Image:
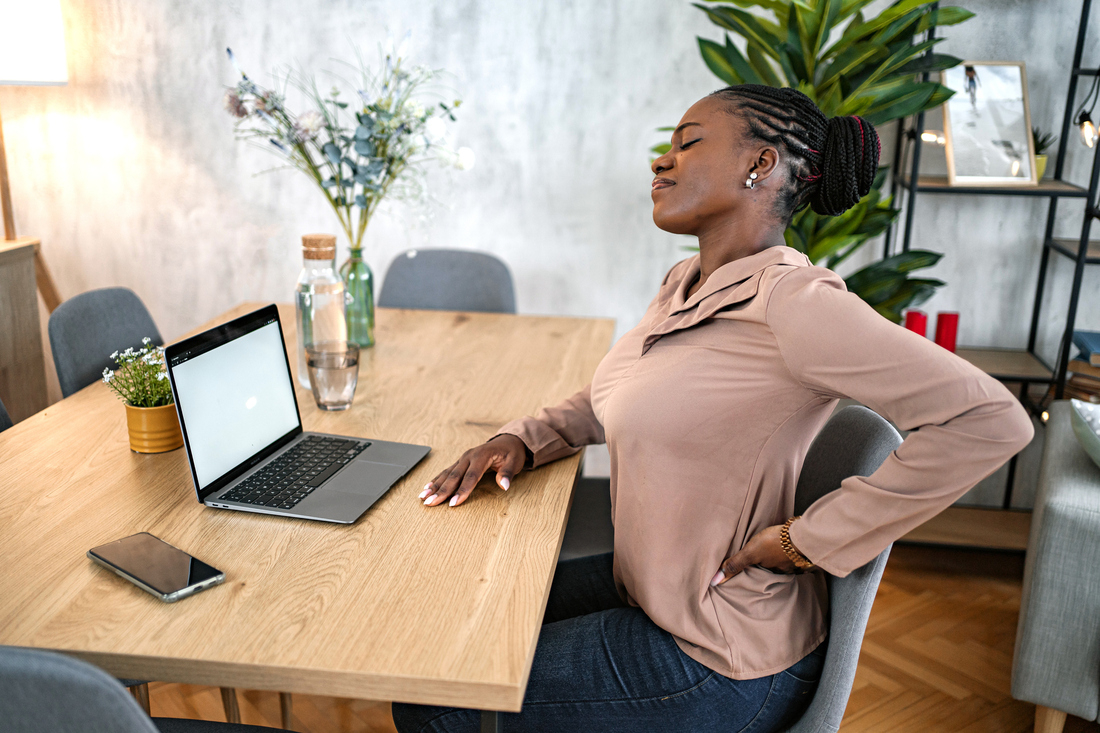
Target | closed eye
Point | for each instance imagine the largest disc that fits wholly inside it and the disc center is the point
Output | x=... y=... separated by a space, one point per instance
x=689 y=143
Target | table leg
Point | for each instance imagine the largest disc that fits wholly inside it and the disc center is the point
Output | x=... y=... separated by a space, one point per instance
x=229 y=703
x=491 y=722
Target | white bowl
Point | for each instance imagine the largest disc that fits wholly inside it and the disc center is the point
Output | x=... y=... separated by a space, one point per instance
x=1086 y=426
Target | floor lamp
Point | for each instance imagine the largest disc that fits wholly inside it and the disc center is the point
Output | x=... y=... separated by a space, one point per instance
x=32 y=52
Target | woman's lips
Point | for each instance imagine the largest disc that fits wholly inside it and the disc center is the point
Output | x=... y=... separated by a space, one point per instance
x=659 y=183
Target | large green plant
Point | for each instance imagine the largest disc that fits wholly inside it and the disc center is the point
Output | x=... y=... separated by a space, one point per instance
x=872 y=69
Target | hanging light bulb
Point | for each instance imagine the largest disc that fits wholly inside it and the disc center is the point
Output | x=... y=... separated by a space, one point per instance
x=1089 y=135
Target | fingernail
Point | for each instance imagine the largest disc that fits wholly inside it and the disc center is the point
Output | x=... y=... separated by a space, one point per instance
x=505 y=483
x=718 y=578
x=429 y=499
x=454 y=499
x=427 y=490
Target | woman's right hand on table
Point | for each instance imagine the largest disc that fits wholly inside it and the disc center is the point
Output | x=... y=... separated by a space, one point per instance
x=506 y=454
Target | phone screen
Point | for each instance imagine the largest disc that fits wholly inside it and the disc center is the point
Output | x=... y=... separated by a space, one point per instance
x=155 y=563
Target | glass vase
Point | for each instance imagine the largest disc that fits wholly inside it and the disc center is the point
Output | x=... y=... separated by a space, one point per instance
x=359 y=284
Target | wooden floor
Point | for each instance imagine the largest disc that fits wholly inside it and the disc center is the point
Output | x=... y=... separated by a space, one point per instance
x=937 y=657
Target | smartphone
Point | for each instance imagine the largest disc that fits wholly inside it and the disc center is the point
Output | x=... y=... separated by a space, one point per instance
x=155 y=566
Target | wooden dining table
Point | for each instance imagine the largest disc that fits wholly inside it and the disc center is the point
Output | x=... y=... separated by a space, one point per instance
x=426 y=605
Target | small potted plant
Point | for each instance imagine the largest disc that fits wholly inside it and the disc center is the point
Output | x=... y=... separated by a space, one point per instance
x=140 y=379
x=1042 y=142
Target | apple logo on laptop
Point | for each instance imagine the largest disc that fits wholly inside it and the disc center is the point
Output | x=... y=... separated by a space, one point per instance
x=250 y=402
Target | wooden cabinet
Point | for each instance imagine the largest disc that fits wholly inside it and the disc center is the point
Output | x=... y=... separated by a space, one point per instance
x=22 y=364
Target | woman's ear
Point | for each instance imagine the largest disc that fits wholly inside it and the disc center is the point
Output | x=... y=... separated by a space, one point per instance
x=765 y=163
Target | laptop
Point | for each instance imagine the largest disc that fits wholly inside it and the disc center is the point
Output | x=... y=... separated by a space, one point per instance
x=243 y=433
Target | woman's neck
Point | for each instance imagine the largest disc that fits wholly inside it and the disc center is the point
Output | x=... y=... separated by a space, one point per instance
x=722 y=245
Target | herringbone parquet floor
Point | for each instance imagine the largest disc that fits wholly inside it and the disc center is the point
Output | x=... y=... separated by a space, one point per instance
x=937 y=657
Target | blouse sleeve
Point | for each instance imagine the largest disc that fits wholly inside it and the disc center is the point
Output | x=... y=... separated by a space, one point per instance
x=559 y=431
x=964 y=423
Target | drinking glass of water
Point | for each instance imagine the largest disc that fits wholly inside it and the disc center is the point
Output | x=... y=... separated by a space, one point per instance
x=333 y=373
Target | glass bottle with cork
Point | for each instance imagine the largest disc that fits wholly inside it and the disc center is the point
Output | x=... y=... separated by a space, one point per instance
x=320 y=298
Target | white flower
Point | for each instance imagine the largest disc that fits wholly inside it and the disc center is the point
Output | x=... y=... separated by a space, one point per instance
x=146 y=340
x=107 y=375
x=161 y=376
x=311 y=123
x=464 y=161
x=113 y=356
x=435 y=129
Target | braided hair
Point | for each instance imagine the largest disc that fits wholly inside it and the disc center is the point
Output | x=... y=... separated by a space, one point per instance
x=831 y=162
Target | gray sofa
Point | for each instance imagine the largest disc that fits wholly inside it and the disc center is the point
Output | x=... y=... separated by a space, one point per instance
x=1057 y=659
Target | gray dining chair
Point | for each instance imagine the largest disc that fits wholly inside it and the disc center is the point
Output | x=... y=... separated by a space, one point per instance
x=5 y=418
x=448 y=279
x=86 y=329
x=44 y=692
x=854 y=442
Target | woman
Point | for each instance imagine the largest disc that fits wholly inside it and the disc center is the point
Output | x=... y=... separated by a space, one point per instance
x=705 y=619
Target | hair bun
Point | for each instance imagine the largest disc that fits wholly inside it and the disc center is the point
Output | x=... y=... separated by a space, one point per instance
x=849 y=162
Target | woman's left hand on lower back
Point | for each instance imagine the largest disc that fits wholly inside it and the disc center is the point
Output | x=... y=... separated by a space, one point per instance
x=764 y=549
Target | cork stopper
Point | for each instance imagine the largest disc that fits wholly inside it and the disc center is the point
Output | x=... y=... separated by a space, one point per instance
x=319 y=246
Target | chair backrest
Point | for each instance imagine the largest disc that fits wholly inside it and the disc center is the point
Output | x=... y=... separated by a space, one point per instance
x=448 y=279
x=5 y=418
x=44 y=691
x=854 y=442
x=85 y=330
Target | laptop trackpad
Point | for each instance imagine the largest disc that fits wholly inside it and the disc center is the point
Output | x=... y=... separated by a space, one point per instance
x=365 y=478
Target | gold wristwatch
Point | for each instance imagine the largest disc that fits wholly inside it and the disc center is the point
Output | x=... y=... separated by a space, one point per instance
x=801 y=562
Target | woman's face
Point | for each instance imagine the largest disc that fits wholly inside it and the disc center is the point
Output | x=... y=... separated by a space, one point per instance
x=701 y=181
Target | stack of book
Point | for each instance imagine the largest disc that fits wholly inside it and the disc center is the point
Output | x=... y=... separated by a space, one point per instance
x=1084 y=380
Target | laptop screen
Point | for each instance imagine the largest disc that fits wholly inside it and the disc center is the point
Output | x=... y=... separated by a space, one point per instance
x=234 y=394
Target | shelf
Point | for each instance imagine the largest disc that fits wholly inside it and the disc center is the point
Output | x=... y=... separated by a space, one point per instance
x=1046 y=187
x=1070 y=248
x=1010 y=365
x=991 y=529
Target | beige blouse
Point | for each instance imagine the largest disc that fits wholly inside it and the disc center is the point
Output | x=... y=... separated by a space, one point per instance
x=708 y=407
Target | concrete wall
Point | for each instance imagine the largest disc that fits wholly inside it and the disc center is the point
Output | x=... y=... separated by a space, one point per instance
x=131 y=174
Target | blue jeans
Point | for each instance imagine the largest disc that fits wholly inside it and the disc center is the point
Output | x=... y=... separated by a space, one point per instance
x=601 y=665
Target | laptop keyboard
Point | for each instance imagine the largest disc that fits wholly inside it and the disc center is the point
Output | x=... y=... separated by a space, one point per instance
x=294 y=475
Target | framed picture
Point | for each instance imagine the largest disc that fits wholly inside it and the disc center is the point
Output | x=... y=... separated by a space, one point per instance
x=987 y=125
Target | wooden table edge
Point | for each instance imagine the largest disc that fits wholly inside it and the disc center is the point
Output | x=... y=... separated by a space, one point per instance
x=307 y=681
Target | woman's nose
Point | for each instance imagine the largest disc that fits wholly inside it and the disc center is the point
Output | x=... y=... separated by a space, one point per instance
x=661 y=164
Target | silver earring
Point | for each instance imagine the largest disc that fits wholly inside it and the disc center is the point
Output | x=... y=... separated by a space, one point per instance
x=751 y=182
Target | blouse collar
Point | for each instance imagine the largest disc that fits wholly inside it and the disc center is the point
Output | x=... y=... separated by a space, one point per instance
x=728 y=274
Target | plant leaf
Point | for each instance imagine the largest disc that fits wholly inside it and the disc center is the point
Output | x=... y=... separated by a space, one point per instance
x=740 y=64
x=714 y=56
x=755 y=30
x=763 y=69
x=943 y=17
x=332 y=152
x=930 y=62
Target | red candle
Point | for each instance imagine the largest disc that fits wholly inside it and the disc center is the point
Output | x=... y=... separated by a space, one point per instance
x=917 y=322
x=947 y=328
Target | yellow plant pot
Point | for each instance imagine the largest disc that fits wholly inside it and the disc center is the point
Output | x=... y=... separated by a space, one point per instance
x=153 y=429
x=1040 y=166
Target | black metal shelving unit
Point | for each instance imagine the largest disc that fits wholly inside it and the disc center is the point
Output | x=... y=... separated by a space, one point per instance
x=1023 y=366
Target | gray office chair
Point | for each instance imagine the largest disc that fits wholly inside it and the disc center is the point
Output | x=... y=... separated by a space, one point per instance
x=448 y=279
x=854 y=442
x=44 y=692
x=5 y=418
x=85 y=330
